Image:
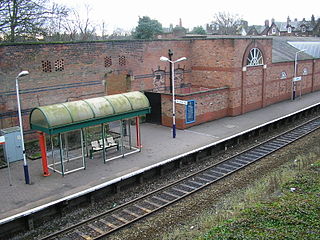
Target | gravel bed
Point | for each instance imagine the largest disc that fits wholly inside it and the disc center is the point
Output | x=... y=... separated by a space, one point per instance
x=209 y=200
x=53 y=224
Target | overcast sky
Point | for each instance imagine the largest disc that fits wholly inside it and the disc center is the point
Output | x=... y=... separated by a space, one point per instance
x=125 y=13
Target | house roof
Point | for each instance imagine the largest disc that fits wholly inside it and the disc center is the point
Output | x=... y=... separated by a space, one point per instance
x=295 y=25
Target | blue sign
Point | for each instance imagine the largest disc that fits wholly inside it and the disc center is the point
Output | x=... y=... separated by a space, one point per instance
x=191 y=111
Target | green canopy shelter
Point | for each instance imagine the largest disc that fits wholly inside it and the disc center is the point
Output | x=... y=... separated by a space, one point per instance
x=78 y=115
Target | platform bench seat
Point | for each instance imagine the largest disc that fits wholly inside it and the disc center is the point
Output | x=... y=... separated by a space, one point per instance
x=98 y=145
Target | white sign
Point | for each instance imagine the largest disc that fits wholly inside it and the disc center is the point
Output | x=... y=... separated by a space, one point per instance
x=296 y=79
x=183 y=102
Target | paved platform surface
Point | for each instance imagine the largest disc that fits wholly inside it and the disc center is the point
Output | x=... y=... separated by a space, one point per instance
x=158 y=146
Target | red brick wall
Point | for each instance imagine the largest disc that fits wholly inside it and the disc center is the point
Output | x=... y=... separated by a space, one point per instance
x=99 y=68
x=88 y=70
x=210 y=105
x=219 y=62
x=316 y=75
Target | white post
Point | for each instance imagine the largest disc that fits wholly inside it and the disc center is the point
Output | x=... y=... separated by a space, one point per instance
x=165 y=59
x=25 y=164
x=295 y=75
x=173 y=105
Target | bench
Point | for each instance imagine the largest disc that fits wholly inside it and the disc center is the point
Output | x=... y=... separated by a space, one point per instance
x=98 y=145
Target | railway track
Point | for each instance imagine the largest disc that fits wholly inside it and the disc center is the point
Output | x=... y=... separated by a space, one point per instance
x=112 y=220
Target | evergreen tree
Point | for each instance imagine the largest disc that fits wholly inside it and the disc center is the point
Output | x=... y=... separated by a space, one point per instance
x=147 y=28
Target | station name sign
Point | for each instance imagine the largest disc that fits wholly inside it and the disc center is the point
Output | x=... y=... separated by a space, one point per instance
x=296 y=79
x=183 y=102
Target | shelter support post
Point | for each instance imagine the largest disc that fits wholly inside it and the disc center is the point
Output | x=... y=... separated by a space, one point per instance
x=82 y=148
x=129 y=131
x=122 y=133
x=138 y=132
x=103 y=143
x=86 y=141
x=61 y=154
x=42 y=143
x=52 y=154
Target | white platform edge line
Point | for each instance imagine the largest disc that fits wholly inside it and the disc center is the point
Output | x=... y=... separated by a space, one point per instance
x=119 y=179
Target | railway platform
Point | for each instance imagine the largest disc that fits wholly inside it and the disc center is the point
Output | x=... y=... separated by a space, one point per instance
x=159 y=148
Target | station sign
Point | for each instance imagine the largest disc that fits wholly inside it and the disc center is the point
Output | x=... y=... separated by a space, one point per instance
x=183 y=102
x=296 y=79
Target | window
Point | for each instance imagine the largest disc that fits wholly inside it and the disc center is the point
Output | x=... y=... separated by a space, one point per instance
x=289 y=29
x=283 y=75
x=305 y=71
x=303 y=29
x=273 y=31
x=255 y=57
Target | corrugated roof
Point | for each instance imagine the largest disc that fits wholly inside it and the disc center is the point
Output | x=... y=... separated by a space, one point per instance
x=284 y=48
x=312 y=48
x=62 y=117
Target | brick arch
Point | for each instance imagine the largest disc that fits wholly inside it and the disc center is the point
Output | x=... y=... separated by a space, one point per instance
x=253 y=81
x=253 y=44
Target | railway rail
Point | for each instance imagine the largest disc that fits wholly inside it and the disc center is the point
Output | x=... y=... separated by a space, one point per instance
x=100 y=226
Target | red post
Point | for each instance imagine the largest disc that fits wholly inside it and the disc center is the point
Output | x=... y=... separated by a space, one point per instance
x=138 y=132
x=42 y=143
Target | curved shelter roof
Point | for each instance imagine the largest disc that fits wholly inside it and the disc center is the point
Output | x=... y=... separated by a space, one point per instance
x=69 y=116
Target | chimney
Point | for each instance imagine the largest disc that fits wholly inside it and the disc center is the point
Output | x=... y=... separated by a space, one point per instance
x=266 y=23
x=272 y=20
x=288 y=20
x=180 y=22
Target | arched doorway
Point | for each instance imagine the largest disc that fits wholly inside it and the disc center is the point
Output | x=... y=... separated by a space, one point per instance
x=252 y=79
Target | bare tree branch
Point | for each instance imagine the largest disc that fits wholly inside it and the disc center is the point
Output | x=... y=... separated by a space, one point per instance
x=226 y=23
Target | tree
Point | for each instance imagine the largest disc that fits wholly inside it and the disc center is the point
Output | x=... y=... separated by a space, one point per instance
x=56 y=22
x=22 y=18
x=147 y=28
x=226 y=23
x=72 y=27
x=30 y=19
x=198 y=30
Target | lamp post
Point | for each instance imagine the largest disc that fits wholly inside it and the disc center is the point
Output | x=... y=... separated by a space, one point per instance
x=25 y=165
x=165 y=59
x=295 y=75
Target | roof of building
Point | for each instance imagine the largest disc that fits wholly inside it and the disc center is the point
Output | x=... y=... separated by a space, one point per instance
x=311 y=48
x=284 y=49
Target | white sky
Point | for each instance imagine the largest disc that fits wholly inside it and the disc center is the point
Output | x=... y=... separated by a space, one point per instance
x=125 y=14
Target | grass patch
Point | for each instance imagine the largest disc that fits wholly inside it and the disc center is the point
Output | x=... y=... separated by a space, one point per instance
x=283 y=205
x=294 y=215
